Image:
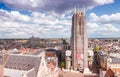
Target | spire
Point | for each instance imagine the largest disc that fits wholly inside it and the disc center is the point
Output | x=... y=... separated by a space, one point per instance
x=83 y=9
x=75 y=10
x=78 y=5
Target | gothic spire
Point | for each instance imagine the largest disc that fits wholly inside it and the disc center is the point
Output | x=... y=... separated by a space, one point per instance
x=83 y=9
x=75 y=10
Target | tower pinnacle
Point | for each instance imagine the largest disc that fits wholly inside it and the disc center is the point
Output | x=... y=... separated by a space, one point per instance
x=83 y=9
x=75 y=10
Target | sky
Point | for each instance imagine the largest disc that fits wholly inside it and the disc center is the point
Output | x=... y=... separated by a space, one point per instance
x=52 y=18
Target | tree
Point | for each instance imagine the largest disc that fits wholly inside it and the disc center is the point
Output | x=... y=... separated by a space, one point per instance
x=62 y=64
x=96 y=49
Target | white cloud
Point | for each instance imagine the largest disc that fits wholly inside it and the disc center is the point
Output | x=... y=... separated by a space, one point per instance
x=92 y=27
x=51 y=24
x=109 y=28
x=93 y=17
x=101 y=2
x=104 y=25
x=15 y=24
x=59 y=6
x=104 y=29
x=105 y=19
x=13 y=15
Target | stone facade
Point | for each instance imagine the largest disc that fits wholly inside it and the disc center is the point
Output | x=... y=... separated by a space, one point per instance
x=79 y=41
x=1 y=71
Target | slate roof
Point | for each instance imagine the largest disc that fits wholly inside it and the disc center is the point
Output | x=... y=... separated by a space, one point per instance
x=115 y=60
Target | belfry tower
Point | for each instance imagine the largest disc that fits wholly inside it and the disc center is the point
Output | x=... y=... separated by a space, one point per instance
x=79 y=41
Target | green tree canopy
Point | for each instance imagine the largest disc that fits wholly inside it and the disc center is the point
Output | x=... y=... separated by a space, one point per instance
x=96 y=49
x=63 y=64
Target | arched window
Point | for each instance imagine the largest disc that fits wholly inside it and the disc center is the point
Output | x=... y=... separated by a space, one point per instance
x=80 y=27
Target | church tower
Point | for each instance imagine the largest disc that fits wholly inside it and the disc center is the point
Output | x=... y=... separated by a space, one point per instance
x=79 y=41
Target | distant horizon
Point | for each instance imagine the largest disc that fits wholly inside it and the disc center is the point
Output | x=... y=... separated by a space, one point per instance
x=64 y=38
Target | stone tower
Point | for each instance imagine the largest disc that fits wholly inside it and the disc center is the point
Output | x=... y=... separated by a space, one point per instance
x=79 y=41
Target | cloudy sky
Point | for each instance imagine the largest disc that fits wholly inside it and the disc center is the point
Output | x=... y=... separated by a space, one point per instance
x=52 y=18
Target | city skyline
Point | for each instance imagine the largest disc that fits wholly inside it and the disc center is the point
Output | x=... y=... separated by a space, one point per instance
x=52 y=19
